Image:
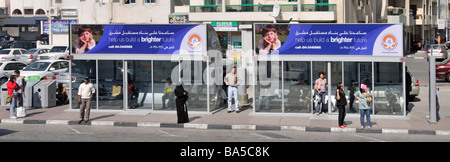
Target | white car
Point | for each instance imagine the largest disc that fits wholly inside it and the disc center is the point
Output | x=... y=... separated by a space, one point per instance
x=7 y=69
x=57 y=52
x=32 y=55
x=11 y=54
x=45 y=68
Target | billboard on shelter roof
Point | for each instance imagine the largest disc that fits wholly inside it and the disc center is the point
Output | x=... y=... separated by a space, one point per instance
x=138 y=39
x=329 y=39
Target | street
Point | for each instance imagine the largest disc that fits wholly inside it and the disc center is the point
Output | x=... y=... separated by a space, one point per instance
x=75 y=133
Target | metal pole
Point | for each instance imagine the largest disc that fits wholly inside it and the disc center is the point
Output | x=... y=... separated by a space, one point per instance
x=432 y=90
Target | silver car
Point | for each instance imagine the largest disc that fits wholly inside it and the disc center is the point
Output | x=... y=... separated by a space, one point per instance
x=438 y=51
x=32 y=55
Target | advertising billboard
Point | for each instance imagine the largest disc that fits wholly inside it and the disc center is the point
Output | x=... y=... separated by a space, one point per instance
x=329 y=39
x=138 y=39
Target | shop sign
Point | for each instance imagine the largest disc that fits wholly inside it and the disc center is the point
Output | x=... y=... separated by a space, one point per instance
x=329 y=39
x=225 y=25
x=58 y=26
x=138 y=39
x=178 y=19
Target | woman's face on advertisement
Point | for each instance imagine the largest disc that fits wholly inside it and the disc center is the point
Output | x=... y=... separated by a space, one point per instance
x=271 y=36
x=86 y=36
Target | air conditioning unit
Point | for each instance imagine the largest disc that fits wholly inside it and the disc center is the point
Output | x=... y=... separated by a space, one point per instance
x=54 y=11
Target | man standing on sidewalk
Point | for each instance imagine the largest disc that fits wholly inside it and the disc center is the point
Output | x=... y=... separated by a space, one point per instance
x=232 y=80
x=85 y=93
x=19 y=82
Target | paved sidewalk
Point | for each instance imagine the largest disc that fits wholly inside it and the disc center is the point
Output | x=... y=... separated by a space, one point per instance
x=415 y=123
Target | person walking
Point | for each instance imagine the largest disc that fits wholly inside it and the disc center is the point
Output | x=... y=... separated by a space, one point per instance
x=232 y=80
x=341 y=102
x=85 y=93
x=181 y=98
x=12 y=88
x=364 y=97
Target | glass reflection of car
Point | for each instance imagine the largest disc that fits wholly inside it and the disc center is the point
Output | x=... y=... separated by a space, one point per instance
x=415 y=88
x=32 y=55
x=443 y=70
x=48 y=68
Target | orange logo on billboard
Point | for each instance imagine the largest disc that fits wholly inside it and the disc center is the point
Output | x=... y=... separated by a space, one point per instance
x=389 y=42
x=195 y=41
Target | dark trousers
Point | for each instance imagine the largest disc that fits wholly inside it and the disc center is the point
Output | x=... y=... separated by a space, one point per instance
x=341 y=116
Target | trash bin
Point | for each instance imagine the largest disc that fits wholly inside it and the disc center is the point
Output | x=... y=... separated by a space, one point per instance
x=44 y=94
x=28 y=93
x=3 y=94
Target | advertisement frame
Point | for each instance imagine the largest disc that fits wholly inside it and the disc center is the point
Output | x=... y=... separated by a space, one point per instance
x=329 y=57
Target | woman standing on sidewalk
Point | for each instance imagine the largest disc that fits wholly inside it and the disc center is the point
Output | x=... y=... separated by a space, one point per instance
x=13 y=92
x=341 y=102
x=364 y=109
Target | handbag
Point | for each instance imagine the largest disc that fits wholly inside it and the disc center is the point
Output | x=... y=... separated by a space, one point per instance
x=21 y=112
x=369 y=99
x=8 y=99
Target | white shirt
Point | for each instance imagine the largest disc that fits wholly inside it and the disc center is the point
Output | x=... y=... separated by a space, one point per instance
x=19 y=82
x=85 y=90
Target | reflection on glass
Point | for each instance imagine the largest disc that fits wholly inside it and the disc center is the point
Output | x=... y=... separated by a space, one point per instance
x=163 y=85
x=139 y=84
x=195 y=85
x=297 y=87
x=356 y=73
x=336 y=77
x=388 y=88
x=268 y=94
x=320 y=104
x=80 y=70
x=110 y=84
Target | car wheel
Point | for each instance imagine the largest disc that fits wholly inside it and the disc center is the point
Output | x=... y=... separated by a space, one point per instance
x=448 y=77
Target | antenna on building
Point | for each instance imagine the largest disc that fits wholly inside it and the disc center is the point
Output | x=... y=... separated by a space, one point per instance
x=276 y=12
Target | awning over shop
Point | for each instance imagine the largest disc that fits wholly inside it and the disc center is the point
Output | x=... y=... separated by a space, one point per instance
x=23 y=20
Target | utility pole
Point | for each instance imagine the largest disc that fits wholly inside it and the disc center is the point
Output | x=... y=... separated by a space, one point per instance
x=432 y=90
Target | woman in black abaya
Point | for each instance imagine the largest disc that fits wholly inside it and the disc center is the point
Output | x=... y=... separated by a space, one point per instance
x=181 y=98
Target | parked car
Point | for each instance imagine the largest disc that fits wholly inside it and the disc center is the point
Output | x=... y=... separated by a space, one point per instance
x=443 y=70
x=22 y=44
x=7 y=69
x=57 y=52
x=11 y=54
x=438 y=51
x=45 y=68
x=32 y=55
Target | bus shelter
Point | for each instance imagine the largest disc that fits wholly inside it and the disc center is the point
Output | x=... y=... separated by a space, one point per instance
x=290 y=57
x=136 y=67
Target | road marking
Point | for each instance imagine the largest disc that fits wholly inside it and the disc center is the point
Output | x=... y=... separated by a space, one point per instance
x=76 y=131
x=369 y=138
x=167 y=134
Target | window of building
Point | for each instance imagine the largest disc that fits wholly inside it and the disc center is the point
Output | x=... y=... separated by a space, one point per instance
x=129 y=1
x=29 y=11
x=40 y=12
x=58 y=1
x=17 y=12
x=149 y=1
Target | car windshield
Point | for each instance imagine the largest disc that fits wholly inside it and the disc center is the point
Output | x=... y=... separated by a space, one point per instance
x=58 y=49
x=37 y=66
x=4 y=52
x=31 y=51
x=445 y=61
x=436 y=47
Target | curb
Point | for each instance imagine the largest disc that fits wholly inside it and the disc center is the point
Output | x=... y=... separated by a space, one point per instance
x=228 y=127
